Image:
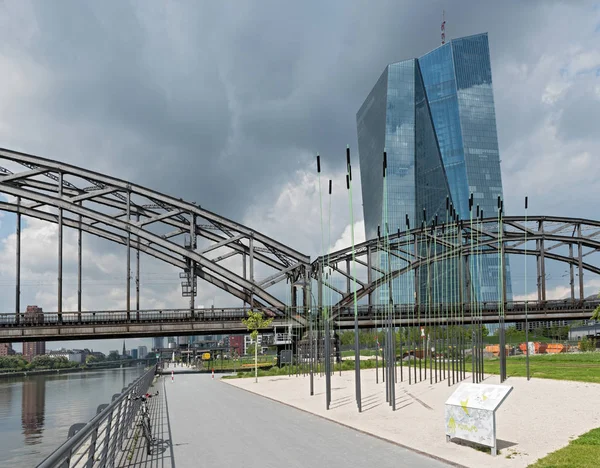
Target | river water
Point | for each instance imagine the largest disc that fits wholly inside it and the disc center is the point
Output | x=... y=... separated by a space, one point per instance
x=37 y=411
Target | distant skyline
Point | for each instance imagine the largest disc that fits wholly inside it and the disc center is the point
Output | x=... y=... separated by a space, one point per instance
x=229 y=106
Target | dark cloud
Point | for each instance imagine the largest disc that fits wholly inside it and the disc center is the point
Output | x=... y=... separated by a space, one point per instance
x=220 y=105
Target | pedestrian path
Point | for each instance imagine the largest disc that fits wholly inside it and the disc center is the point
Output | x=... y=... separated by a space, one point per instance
x=134 y=453
x=218 y=425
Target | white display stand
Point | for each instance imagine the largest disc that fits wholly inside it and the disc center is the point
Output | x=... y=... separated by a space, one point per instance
x=470 y=413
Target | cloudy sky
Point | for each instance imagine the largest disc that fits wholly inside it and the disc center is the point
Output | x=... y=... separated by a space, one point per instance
x=227 y=103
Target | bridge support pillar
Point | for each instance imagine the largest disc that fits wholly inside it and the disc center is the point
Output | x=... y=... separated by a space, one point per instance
x=137 y=273
x=580 y=263
x=79 y=255
x=542 y=263
x=192 y=264
x=128 y=257
x=60 y=248
x=571 y=274
x=18 y=265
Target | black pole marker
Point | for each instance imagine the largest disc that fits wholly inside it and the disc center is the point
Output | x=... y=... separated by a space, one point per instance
x=329 y=186
x=378 y=232
x=347 y=156
x=347 y=182
x=318 y=163
x=525 y=202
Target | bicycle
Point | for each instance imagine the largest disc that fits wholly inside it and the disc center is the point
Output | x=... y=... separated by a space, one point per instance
x=145 y=419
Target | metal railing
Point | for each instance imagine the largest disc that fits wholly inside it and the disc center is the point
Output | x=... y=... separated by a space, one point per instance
x=9 y=320
x=97 y=443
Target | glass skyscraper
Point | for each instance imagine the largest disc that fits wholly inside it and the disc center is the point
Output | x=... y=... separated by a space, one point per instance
x=435 y=118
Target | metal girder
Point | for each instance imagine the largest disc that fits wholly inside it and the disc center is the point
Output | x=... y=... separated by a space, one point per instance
x=220 y=244
x=127 y=226
x=117 y=194
x=154 y=219
x=276 y=277
x=93 y=194
x=22 y=175
x=158 y=254
x=486 y=245
x=103 y=180
x=183 y=226
x=96 y=177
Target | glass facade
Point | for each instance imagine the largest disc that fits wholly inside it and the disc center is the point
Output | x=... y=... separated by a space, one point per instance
x=440 y=137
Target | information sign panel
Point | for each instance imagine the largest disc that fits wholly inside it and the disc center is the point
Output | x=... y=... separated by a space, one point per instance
x=470 y=412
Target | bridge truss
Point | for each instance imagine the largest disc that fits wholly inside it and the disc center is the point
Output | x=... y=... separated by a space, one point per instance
x=200 y=243
x=176 y=232
x=571 y=241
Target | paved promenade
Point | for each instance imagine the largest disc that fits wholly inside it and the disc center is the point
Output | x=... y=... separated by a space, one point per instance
x=538 y=417
x=217 y=425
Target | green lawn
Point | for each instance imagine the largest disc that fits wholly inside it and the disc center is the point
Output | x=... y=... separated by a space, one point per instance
x=582 y=367
x=583 y=452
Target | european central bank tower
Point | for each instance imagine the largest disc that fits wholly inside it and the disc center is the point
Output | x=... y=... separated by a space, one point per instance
x=435 y=118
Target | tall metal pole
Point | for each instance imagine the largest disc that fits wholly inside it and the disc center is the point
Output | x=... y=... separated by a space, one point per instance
x=307 y=305
x=251 y=249
x=18 y=264
x=60 y=248
x=526 y=315
x=356 y=338
x=137 y=272
x=580 y=263
x=193 y=266
x=128 y=257
x=79 y=256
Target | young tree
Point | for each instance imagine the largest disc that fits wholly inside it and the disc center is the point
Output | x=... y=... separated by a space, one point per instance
x=596 y=314
x=255 y=322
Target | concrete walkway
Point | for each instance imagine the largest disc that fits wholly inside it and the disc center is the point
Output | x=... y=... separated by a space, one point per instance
x=538 y=417
x=218 y=425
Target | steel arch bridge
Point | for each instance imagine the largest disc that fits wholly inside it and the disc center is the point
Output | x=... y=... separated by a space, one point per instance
x=172 y=231
x=145 y=221
x=561 y=239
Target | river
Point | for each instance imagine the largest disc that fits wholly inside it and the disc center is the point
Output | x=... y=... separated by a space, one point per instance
x=37 y=411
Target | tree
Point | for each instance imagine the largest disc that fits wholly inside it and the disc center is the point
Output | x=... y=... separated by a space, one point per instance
x=255 y=322
x=596 y=314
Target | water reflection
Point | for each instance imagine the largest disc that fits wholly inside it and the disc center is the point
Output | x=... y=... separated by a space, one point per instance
x=36 y=411
x=33 y=404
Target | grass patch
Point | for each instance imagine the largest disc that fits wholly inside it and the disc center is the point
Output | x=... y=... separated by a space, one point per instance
x=581 y=367
x=582 y=452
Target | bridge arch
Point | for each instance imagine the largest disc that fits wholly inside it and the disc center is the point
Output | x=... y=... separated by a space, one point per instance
x=147 y=221
x=543 y=235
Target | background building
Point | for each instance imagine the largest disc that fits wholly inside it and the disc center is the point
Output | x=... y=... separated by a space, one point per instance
x=6 y=349
x=34 y=315
x=236 y=342
x=142 y=351
x=158 y=342
x=435 y=118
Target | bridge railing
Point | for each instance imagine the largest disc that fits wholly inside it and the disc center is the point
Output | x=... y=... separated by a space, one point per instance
x=489 y=309
x=467 y=309
x=97 y=443
x=116 y=316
